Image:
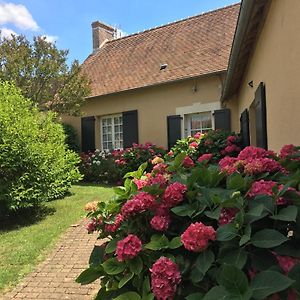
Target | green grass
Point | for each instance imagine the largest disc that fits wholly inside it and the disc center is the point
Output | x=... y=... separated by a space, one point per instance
x=27 y=239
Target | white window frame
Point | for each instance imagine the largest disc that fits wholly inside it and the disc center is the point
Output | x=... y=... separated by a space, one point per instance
x=112 y=132
x=187 y=123
x=199 y=107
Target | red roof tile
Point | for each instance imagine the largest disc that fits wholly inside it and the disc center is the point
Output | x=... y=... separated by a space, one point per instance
x=192 y=47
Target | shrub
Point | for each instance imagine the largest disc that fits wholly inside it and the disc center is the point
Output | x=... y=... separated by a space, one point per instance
x=35 y=165
x=72 y=139
x=226 y=230
x=219 y=143
x=106 y=167
x=99 y=166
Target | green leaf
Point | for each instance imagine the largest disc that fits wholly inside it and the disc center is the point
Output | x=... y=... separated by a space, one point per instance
x=89 y=275
x=175 y=243
x=247 y=235
x=267 y=283
x=203 y=263
x=113 y=267
x=227 y=232
x=97 y=256
x=185 y=210
x=125 y=279
x=235 y=182
x=136 y=265
x=234 y=280
x=128 y=296
x=215 y=215
x=287 y=214
x=195 y=296
x=157 y=242
x=146 y=286
x=216 y=293
x=111 y=246
x=237 y=257
x=268 y=238
x=294 y=274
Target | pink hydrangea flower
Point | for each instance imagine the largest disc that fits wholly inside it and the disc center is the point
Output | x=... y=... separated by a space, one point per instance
x=173 y=194
x=128 y=248
x=170 y=153
x=252 y=152
x=231 y=140
x=92 y=226
x=286 y=263
x=262 y=165
x=197 y=236
x=139 y=203
x=205 y=157
x=193 y=145
x=160 y=168
x=160 y=223
x=227 y=215
x=288 y=150
x=165 y=277
x=114 y=227
x=158 y=178
x=198 y=135
x=262 y=187
x=232 y=148
x=140 y=183
x=228 y=165
x=188 y=162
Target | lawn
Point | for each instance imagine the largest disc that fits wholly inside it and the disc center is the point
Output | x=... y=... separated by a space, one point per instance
x=27 y=240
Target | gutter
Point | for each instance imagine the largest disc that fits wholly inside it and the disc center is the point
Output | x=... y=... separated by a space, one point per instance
x=242 y=25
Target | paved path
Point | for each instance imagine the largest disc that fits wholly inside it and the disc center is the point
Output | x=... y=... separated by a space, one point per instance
x=54 y=278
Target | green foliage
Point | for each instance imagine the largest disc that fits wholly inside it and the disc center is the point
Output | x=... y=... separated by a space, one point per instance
x=35 y=165
x=41 y=72
x=72 y=139
x=232 y=235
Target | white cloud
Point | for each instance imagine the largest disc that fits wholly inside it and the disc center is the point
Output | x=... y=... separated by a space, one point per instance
x=6 y=33
x=51 y=38
x=18 y=15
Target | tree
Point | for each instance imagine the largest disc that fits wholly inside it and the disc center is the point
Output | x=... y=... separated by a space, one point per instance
x=42 y=73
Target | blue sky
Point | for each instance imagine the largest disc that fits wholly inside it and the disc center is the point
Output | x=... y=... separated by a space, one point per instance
x=68 y=22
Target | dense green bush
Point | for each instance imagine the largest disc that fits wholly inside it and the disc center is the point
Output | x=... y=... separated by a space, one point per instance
x=202 y=229
x=72 y=139
x=35 y=165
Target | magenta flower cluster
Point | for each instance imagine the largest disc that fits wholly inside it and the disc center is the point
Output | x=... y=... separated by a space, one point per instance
x=128 y=248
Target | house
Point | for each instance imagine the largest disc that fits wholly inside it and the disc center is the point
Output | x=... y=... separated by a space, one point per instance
x=262 y=87
x=158 y=85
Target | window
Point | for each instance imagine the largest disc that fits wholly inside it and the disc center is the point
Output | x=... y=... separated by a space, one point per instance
x=199 y=122
x=112 y=132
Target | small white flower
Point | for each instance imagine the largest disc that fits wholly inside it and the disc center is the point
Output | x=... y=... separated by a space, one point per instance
x=98 y=162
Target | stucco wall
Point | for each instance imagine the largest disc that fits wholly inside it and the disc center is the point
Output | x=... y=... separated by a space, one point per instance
x=276 y=62
x=154 y=104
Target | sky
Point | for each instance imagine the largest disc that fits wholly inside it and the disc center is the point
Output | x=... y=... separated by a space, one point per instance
x=68 y=22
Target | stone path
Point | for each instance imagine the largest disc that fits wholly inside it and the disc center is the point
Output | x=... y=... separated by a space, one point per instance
x=55 y=277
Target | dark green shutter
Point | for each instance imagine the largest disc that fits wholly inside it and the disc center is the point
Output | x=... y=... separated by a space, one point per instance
x=88 y=134
x=222 y=119
x=261 y=117
x=130 y=128
x=174 y=129
x=245 y=132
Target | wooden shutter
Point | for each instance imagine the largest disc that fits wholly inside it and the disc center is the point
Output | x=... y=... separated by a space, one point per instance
x=261 y=117
x=245 y=131
x=88 y=134
x=222 y=119
x=174 y=129
x=130 y=128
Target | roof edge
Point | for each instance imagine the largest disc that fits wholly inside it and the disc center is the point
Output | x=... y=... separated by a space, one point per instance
x=246 y=10
x=161 y=83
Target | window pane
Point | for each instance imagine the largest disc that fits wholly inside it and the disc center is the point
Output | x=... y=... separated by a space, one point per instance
x=206 y=120
x=196 y=122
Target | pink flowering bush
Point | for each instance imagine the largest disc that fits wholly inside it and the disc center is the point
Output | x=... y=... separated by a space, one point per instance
x=199 y=227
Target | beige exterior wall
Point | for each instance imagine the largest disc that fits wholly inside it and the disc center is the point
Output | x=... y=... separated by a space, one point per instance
x=276 y=62
x=154 y=104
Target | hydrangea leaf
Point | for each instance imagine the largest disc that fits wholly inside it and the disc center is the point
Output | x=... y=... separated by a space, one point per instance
x=128 y=296
x=268 y=238
x=267 y=283
x=136 y=265
x=125 y=279
x=89 y=275
x=227 y=232
x=236 y=257
x=113 y=267
x=287 y=214
x=217 y=292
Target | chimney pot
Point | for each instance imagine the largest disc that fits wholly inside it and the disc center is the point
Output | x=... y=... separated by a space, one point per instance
x=101 y=33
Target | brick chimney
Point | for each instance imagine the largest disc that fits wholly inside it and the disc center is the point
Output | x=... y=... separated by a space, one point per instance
x=101 y=33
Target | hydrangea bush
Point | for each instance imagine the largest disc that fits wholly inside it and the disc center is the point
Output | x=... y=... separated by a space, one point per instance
x=202 y=229
x=110 y=167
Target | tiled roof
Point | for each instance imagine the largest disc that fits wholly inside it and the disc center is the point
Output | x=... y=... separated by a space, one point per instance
x=192 y=47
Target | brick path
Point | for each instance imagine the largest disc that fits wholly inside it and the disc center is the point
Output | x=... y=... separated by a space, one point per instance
x=54 y=278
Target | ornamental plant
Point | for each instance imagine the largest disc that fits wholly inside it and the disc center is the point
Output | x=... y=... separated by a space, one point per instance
x=35 y=164
x=193 y=229
x=212 y=145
